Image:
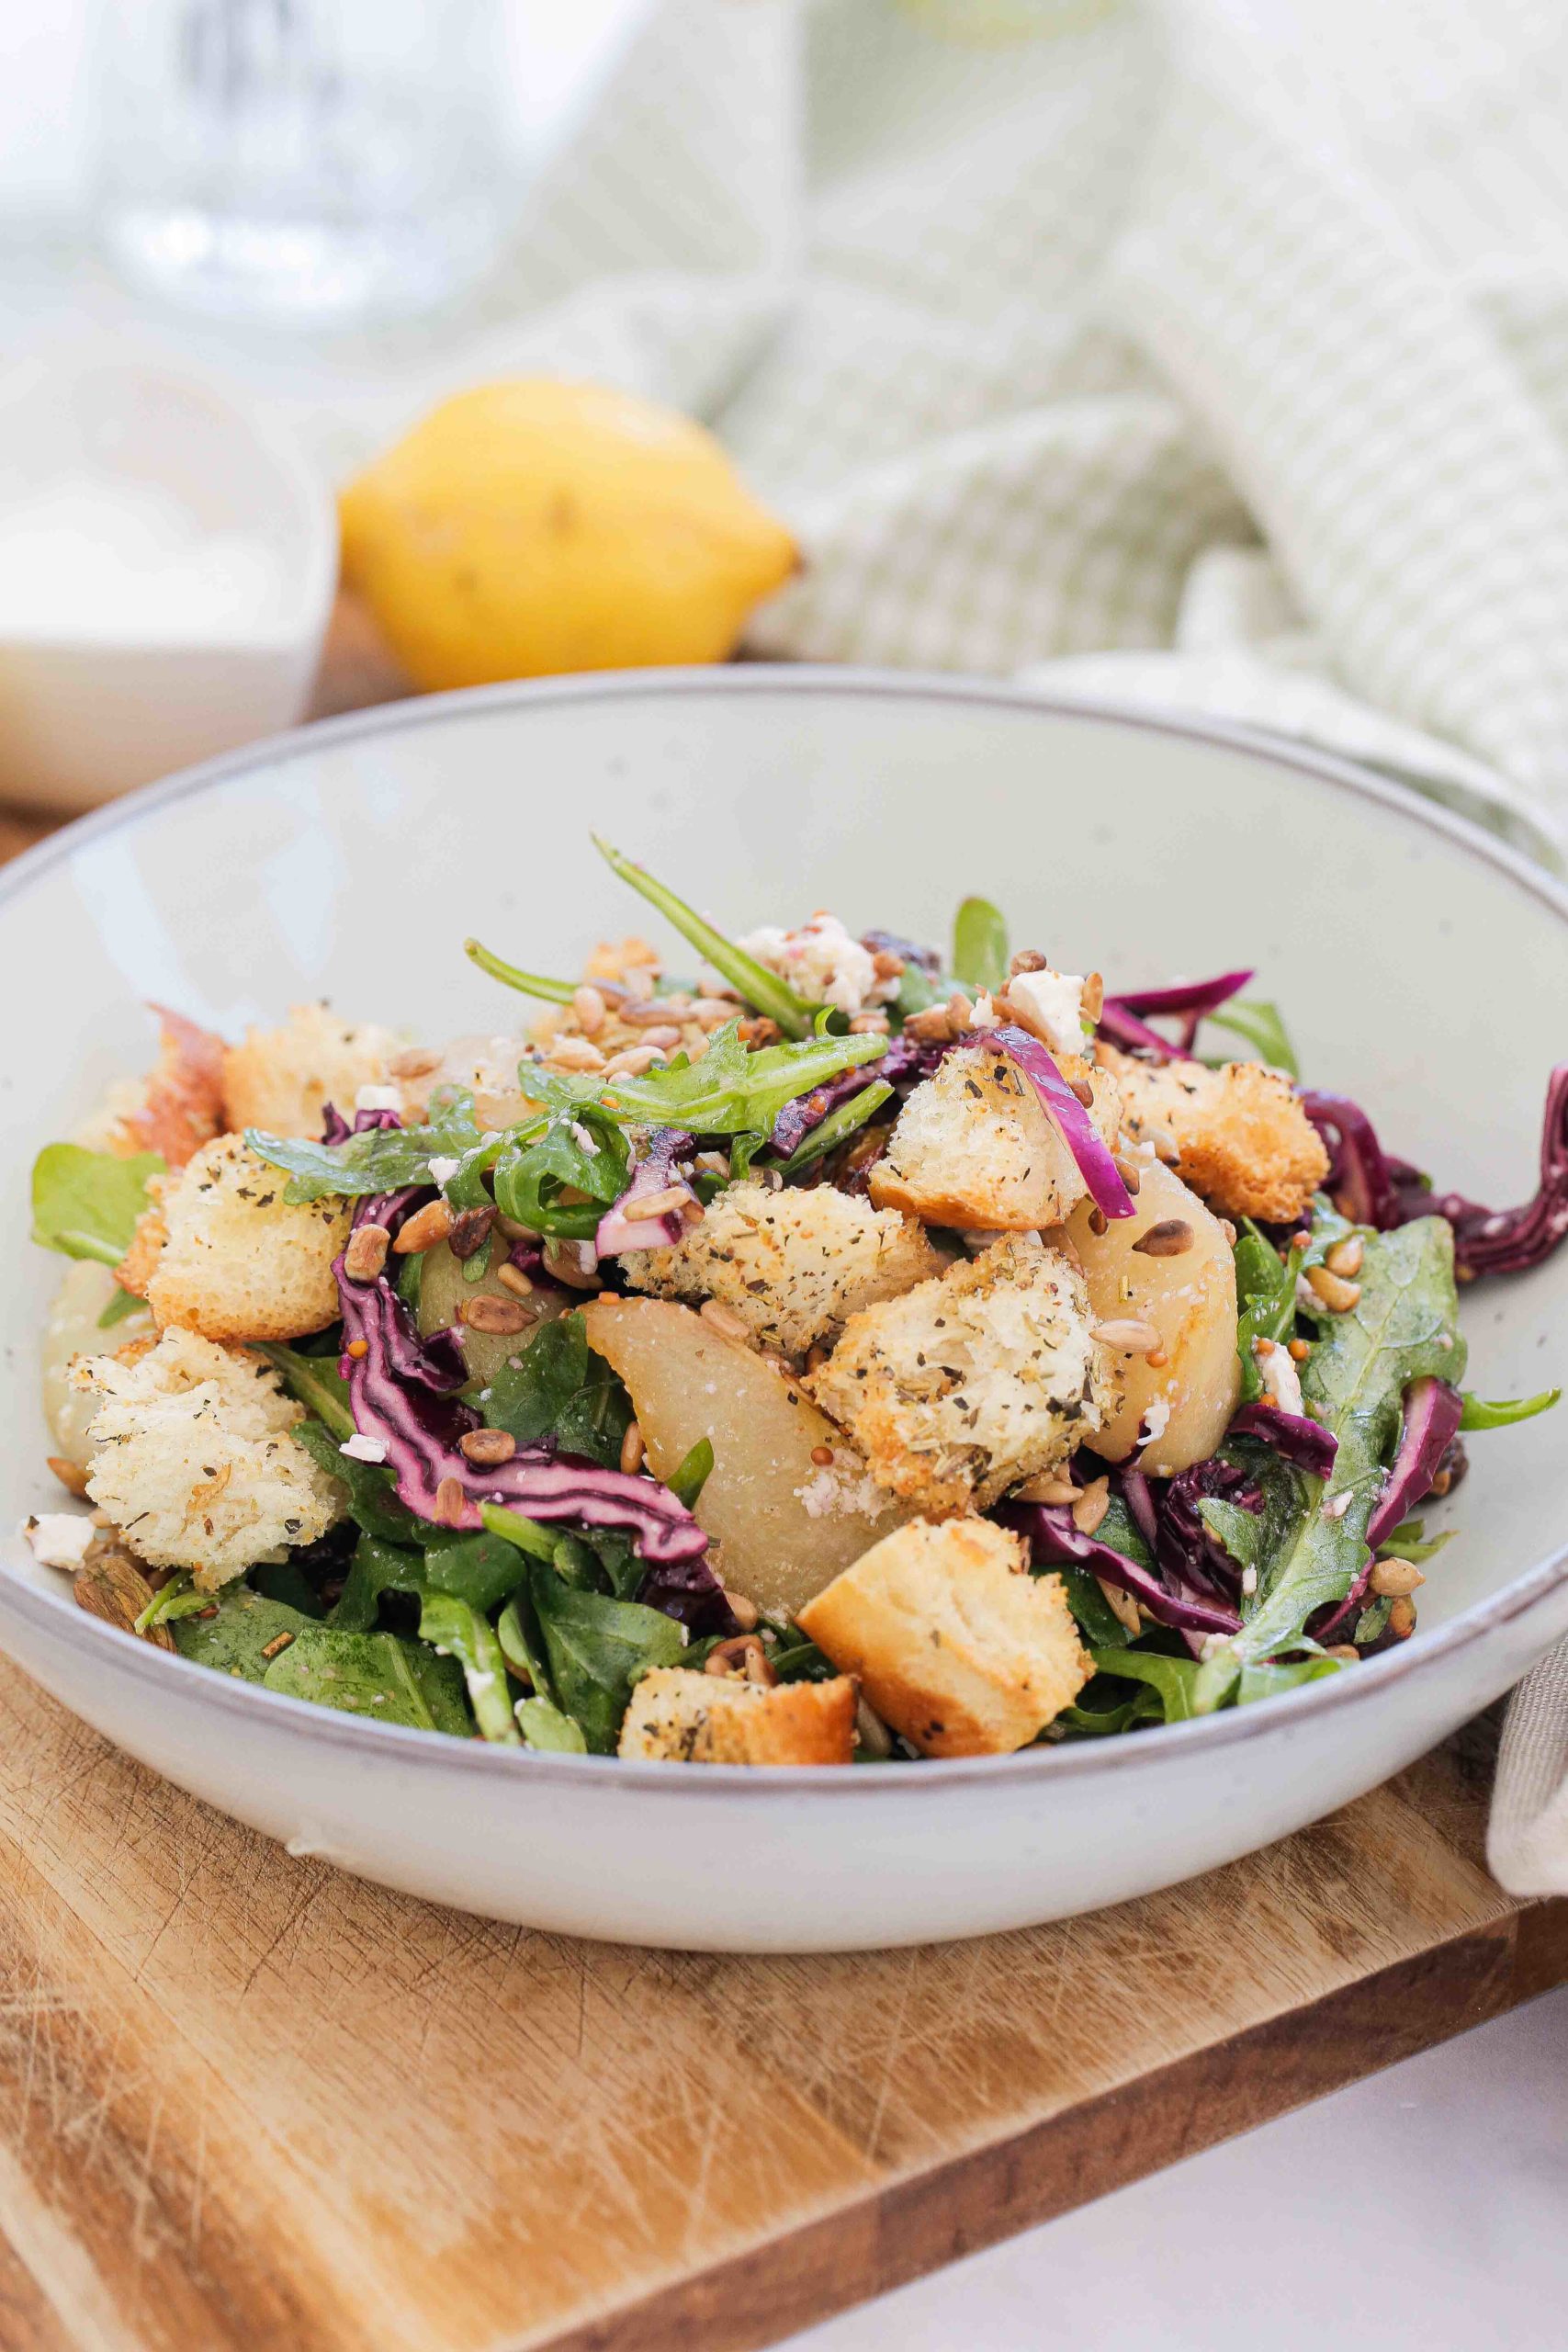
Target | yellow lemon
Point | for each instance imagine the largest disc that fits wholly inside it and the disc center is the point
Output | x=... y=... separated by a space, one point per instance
x=534 y=527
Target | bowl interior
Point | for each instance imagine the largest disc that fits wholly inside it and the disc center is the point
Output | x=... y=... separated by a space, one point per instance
x=1420 y=969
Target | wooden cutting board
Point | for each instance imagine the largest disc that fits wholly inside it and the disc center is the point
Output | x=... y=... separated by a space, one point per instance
x=247 y=2101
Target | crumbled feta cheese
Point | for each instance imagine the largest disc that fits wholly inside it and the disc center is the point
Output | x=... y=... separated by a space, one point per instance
x=983 y=1014
x=822 y=963
x=1281 y=1382
x=1338 y=1505
x=1050 y=1005
x=583 y=1139
x=378 y=1098
x=839 y=1487
x=1210 y=1644
x=59 y=1538
x=442 y=1171
x=1249 y=1581
x=365 y=1448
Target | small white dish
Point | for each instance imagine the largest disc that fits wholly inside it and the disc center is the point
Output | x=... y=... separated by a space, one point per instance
x=1423 y=968
x=205 y=590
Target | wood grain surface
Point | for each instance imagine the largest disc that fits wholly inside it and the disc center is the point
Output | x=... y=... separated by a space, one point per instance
x=248 y=2101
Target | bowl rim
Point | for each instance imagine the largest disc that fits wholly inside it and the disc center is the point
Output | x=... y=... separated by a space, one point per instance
x=124 y=1655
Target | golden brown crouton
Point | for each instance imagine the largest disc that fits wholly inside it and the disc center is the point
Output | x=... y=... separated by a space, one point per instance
x=178 y=1107
x=1245 y=1142
x=976 y=1148
x=954 y=1642
x=279 y=1079
x=969 y=1384
x=792 y=1265
x=240 y=1261
x=193 y=1460
x=678 y=1716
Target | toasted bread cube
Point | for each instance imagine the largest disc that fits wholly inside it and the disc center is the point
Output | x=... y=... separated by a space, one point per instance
x=281 y=1079
x=976 y=1148
x=1245 y=1142
x=176 y=1108
x=678 y=1716
x=241 y=1263
x=974 y=1381
x=954 y=1642
x=792 y=1265
x=192 y=1459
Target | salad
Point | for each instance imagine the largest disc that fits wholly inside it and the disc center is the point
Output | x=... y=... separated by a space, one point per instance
x=846 y=1351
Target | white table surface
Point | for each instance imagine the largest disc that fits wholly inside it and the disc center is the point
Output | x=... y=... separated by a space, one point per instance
x=1424 y=2210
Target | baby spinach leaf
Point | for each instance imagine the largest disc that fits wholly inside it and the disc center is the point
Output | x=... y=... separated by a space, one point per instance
x=522 y=1644
x=763 y=989
x=283 y=1580
x=372 y=1488
x=451 y=1625
x=85 y=1203
x=692 y=1473
x=375 y=1675
x=596 y=1648
x=1104 y=1708
x=1172 y=1680
x=1097 y=1620
x=980 y=946
x=232 y=1638
x=1260 y=1027
x=317 y=1383
x=545 y=1727
x=1403 y=1325
x=559 y=1388
x=1479 y=1415
x=376 y=1567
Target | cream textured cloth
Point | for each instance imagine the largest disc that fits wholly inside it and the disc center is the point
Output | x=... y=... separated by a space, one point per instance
x=1211 y=356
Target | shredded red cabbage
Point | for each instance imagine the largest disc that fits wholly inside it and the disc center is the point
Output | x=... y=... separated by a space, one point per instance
x=1432 y=1410
x=1123 y=1018
x=905 y=1061
x=1056 y=1541
x=1378 y=1190
x=1190 y=1553
x=1079 y=1131
x=621 y=1227
x=1296 y=1436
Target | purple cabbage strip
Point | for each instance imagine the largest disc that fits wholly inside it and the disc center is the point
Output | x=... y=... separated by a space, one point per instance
x=1432 y=1410
x=905 y=1061
x=890 y=943
x=621 y=1227
x=1184 y=995
x=689 y=1591
x=1295 y=1436
x=1135 y=1494
x=1133 y=1035
x=1384 y=1192
x=1055 y=1540
x=1079 y=1132
x=1190 y=1553
x=421 y=1429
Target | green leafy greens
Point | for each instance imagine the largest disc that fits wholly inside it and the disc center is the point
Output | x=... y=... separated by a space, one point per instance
x=980 y=946
x=86 y=1203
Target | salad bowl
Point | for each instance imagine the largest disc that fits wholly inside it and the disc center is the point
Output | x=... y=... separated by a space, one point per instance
x=1421 y=964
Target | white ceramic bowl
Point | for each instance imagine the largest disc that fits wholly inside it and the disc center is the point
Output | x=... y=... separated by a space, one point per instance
x=1423 y=968
x=85 y=717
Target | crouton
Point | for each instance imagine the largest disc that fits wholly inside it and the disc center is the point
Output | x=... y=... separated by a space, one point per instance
x=678 y=1716
x=792 y=1265
x=176 y=1108
x=954 y=1642
x=968 y=1384
x=1245 y=1142
x=193 y=1460
x=280 y=1079
x=136 y=1269
x=976 y=1148
x=241 y=1263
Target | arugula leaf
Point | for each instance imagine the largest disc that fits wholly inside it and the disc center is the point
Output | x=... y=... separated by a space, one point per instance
x=317 y=1383
x=1241 y=1531
x=1260 y=1024
x=582 y=1151
x=597 y=1649
x=1479 y=1415
x=1172 y=1680
x=1404 y=1325
x=382 y=1160
x=730 y=1091
x=85 y=1203
x=830 y=1132
x=1104 y=1708
x=239 y=1629
x=1097 y=1620
x=559 y=1388
x=123 y=1303
x=980 y=946
x=544 y=1726
x=528 y=983
x=692 y=1473
x=1271 y=1680
x=372 y=1488
x=452 y=1625
x=763 y=989
x=1266 y=1285
x=1409 y=1540
x=377 y=1675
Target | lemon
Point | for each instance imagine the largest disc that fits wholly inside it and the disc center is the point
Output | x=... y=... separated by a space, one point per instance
x=533 y=527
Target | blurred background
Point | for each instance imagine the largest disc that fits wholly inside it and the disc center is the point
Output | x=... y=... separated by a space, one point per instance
x=1198 y=355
